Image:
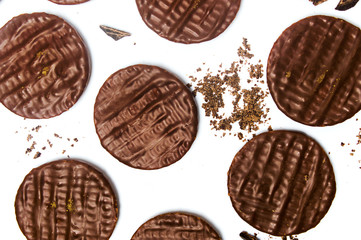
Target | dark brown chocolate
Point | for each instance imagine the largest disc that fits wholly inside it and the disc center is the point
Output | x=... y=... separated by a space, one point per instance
x=344 y=5
x=281 y=183
x=314 y=71
x=68 y=2
x=316 y=2
x=145 y=117
x=174 y=226
x=66 y=199
x=44 y=65
x=114 y=33
x=246 y=236
x=188 y=21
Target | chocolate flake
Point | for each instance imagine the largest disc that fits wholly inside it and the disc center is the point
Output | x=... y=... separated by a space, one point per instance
x=114 y=33
x=346 y=4
x=246 y=236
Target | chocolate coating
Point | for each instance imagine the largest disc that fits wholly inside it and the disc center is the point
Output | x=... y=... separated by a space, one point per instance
x=66 y=199
x=281 y=183
x=188 y=21
x=344 y=5
x=145 y=117
x=176 y=226
x=68 y=2
x=314 y=71
x=44 y=65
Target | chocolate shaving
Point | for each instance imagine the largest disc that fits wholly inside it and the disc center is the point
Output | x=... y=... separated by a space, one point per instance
x=346 y=4
x=246 y=236
x=114 y=33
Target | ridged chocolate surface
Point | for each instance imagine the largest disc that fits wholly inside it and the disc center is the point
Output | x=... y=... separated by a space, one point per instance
x=188 y=21
x=68 y=2
x=66 y=199
x=176 y=226
x=145 y=117
x=281 y=183
x=44 y=65
x=314 y=71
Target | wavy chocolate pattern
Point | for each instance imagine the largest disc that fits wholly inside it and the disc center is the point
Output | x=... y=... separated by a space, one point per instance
x=176 y=226
x=188 y=21
x=314 y=71
x=44 y=65
x=145 y=117
x=281 y=183
x=66 y=199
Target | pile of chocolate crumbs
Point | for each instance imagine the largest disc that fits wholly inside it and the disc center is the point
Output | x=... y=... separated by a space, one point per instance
x=248 y=106
x=35 y=151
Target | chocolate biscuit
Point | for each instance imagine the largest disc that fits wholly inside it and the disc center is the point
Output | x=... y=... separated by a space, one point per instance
x=188 y=21
x=314 y=71
x=145 y=117
x=66 y=199
x=281 y=183
x=44 y=65
x=174 y=226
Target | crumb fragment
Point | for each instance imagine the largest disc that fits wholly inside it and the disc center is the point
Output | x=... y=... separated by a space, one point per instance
x=37 y=155
x=36 y=129
x=31 y=148
x=248 y=107
x=256 y=71
x=244 y=50
x=246 y=236
x=50 y=144
x=29 y=137
x=57 y=135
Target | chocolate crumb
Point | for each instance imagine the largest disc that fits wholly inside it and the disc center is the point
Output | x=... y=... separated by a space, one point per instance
x=247 y=105
x=36 y=129
x=29 y=137
x=256 y=71
x=37 y=155
x=57 y=135
x=31 y=148
x=246 y=236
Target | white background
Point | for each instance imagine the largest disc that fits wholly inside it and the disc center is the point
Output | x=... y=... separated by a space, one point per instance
x=198 y=182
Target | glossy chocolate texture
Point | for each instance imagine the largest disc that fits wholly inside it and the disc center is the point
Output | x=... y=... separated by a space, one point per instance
x=344 y=5
x=188 y=21
x=281 y=183
x=176 y=226
x=66 y=199
x=68 y=2
x=314 y=71
x=145 y=117
x=44 y=65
